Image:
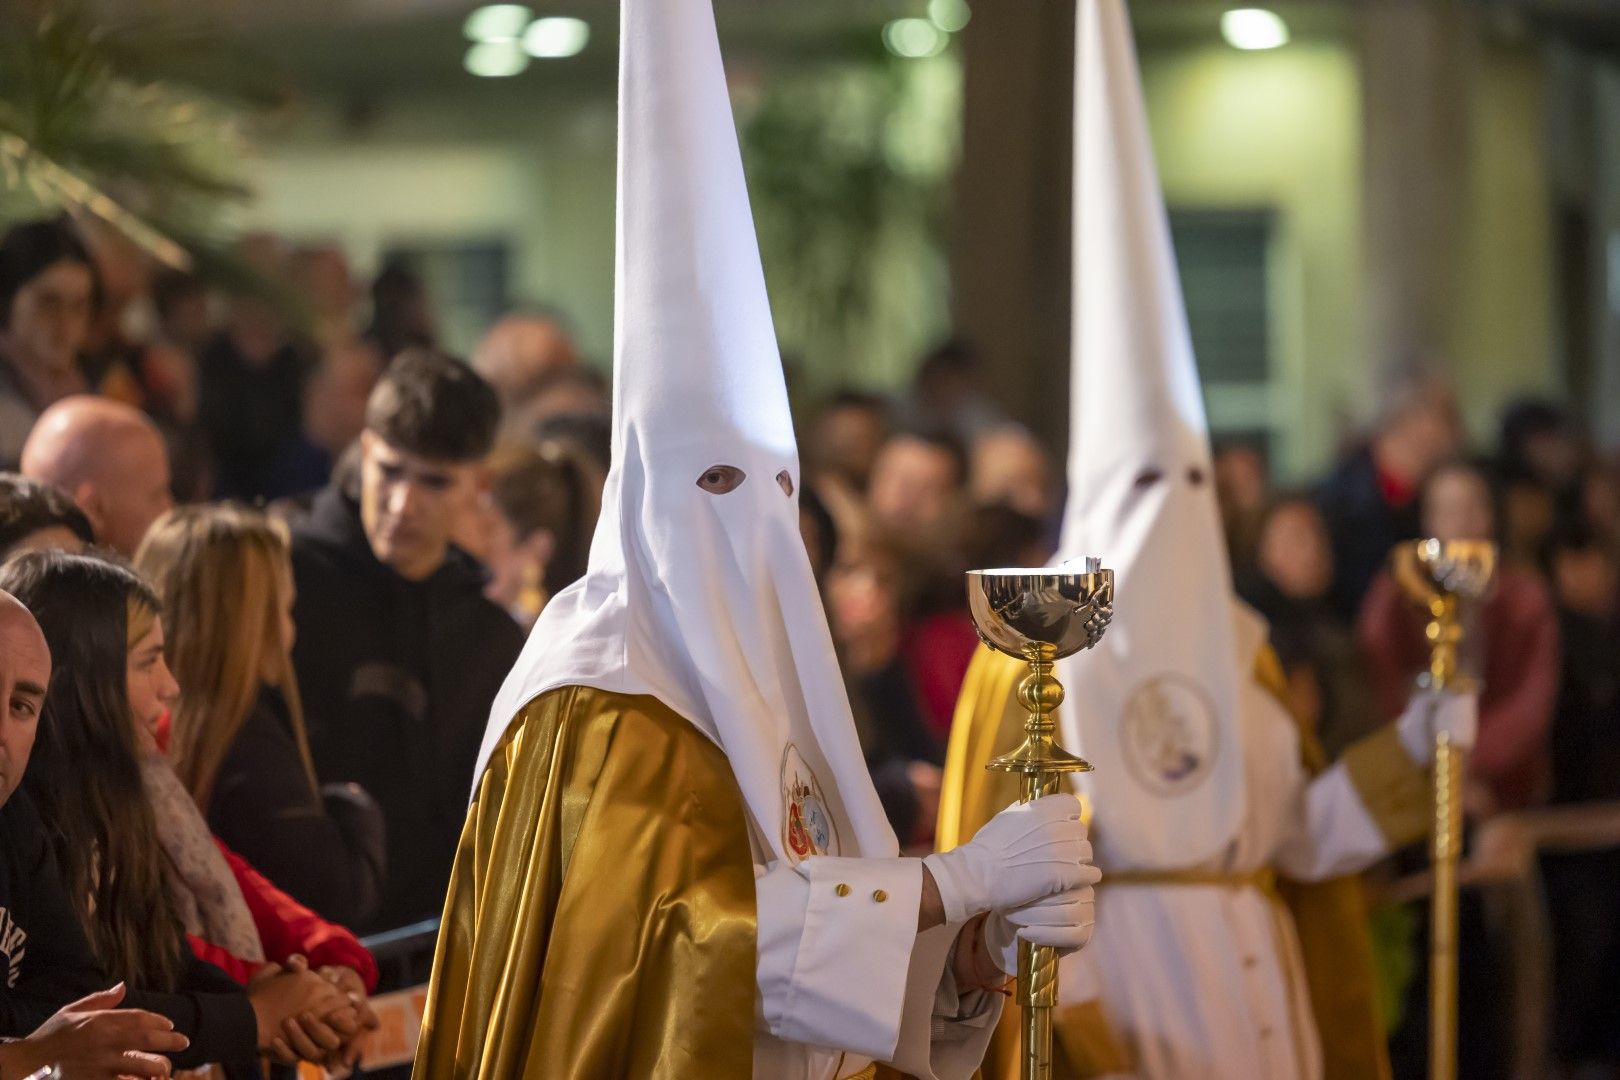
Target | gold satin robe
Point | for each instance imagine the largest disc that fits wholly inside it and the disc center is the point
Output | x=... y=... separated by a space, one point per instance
x=600 y=921
x=1329 y=916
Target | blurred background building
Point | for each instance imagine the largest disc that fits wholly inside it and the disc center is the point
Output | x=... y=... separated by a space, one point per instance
x=1350 y=181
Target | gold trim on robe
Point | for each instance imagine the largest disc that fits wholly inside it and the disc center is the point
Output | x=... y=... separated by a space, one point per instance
x=1330 y=917
x=1395 y=789
x=600 y=920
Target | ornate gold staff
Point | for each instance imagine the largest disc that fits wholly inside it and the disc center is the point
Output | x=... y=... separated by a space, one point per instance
x=1040 y=616
x=1439 y=574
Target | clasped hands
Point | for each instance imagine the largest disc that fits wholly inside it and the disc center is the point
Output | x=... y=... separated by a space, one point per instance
x=320 y=1016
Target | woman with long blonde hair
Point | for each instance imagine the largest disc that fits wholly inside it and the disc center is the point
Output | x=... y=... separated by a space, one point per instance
x=237 y=737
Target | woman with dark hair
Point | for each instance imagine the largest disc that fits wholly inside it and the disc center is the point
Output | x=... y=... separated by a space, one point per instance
x=48 y=293
x=109 y=687
x=1287 y=580
x=533 y=531
x=36 y=516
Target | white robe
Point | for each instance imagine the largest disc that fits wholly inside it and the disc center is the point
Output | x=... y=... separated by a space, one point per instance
x=852 y=971
x=1207 y=981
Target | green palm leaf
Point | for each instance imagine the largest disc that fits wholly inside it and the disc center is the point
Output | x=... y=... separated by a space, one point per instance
x=135 y=121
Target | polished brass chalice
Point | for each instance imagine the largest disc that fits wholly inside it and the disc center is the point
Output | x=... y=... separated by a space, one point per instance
x=1440 y=575
x=1039 y=617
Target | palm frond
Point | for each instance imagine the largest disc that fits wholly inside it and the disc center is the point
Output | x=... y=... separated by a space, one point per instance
x=134 y=120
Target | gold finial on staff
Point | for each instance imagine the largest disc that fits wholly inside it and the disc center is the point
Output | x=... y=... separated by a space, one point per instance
x=1440 y=575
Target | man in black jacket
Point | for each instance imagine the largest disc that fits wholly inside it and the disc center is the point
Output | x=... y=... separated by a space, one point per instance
x=399 y=655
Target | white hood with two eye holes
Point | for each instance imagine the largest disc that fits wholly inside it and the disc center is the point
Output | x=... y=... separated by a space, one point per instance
x=699 y=591
x=1154 y=705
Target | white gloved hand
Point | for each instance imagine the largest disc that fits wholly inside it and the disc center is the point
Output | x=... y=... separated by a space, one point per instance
x=1063 y=920
x=1455 y=713
x=1025 y=853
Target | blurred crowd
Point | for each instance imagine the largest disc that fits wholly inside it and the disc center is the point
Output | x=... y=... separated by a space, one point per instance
x=274 y=551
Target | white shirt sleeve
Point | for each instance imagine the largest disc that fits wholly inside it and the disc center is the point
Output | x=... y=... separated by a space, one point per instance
x=841 y=965
x=1332 y=833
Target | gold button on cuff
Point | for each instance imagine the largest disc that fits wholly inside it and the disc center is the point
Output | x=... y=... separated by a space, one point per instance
x=841 y=889
x=880 y=896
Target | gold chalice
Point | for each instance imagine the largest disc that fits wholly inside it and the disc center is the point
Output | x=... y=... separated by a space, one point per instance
x=1039 y=617
x=1441 y=575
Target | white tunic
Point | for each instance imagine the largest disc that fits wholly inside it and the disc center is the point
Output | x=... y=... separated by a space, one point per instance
x=839 y=967
x=1207 y=981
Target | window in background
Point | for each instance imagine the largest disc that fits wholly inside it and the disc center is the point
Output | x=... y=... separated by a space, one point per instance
x=1223 y=259
x=467 y=282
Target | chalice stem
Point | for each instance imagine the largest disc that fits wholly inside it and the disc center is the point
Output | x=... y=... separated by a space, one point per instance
x=1039 y=617
x=1037 y=979
x=1447 y=844
x=1037 y=964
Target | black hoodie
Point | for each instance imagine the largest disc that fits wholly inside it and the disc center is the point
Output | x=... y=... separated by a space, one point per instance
x=397 y=678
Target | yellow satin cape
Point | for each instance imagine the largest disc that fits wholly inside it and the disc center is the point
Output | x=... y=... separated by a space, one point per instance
x=1329 y=916
x=600 y=921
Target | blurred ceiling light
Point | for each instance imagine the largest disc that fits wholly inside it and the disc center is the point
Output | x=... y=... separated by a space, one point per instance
x=497 y=22
x=496 y=59
x=1253 y=28
x=556 y=37
x=949 y=15
x=914 y=38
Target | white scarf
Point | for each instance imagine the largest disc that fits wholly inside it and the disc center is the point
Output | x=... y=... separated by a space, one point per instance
x=205 y=891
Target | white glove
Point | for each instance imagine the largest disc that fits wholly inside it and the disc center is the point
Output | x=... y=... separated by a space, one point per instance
x=1428 y=714
x=1063 y=920
x=1027 y=852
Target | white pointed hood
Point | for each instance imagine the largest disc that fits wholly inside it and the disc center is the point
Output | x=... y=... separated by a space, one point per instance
x=699 y=590
x=1154 y=706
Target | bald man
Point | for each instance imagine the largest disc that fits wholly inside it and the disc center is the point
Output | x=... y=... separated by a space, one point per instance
x=42 y=950
x=518 y=355
x=110 y=458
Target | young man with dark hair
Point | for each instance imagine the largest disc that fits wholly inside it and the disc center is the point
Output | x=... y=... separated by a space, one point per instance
x=399 y=654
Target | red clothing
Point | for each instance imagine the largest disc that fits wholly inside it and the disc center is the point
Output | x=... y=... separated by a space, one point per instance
x=1396 y=491
x=286 y=928
x=937 y=651
x=1518 y=651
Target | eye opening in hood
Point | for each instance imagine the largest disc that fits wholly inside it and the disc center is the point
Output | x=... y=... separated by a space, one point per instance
x=785 y=482
x=721 y=479
x=1149 y=476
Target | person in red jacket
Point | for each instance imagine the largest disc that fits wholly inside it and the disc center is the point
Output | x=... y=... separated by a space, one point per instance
x=287 y=930
x=1512 y=646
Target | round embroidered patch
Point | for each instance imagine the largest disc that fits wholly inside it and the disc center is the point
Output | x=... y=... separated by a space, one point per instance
x=1168 y=735
x=807 y=821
